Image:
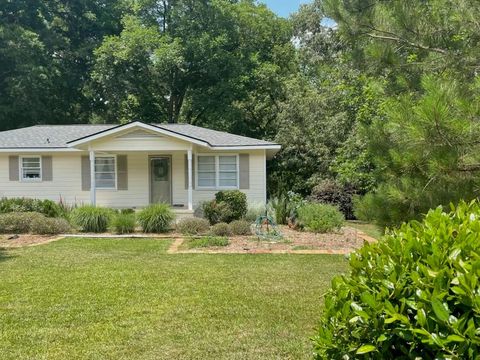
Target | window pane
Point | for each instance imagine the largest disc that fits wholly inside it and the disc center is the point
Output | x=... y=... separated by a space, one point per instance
x=206 y=171
x=105 y=172
x=228 y=171
x=31 y=168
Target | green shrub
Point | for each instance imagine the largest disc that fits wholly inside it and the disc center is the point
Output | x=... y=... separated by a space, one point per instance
x=91 y=218
x=329 y=191
x=221 y=229
x=236 y=200
x=45 y=207
x=19 y=222
x=216 y=212
x=124 y=223
x=412 y=295
x=206 y=241
x=193 y=226
x=320 y=218
x=255 y=211
x=364 y=207
x=49 y=226
x=156 y=218
x=241 y=227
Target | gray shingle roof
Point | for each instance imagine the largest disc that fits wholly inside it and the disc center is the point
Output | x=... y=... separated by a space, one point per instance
x=57 y=136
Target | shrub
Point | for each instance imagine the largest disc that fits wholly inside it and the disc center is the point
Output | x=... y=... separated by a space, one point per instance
x=49 y=226
x=364 y=208
x=207 y=241
x=217 y=212
x=91 y=219
x=221 y=229
x=412 y=295
x=19 y=222
x=330 y=192
x=255 y=211
x=45 y=207
x=320 y=218
x=236 y=200
x=193 y=226
x=285 y=207
x=240 y=227
x=156 y=218
x=124 y=223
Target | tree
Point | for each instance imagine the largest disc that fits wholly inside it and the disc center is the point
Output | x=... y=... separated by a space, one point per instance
x=212 y=63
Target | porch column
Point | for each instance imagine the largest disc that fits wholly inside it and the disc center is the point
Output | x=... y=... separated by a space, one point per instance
x=190 y=180
x=93 y=187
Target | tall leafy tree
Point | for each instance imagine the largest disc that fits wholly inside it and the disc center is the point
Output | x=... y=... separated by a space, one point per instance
x=213 y=63
x=46 y=52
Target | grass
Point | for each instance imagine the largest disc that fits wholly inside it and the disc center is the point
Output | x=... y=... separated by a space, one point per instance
x=205 y=241
x=128 y=299
x=367 y=228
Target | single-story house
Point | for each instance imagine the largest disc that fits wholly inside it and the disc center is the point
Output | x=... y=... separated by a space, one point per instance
x=131 y=165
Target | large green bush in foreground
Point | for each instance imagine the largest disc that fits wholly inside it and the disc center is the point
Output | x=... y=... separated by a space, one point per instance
x=413 y=295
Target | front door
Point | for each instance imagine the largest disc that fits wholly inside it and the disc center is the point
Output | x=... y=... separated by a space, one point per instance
x=160 y=179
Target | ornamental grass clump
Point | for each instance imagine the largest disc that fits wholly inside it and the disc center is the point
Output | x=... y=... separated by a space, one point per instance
x=124 y=223
x=156 y=218
x=91 y=218
x=412 y=295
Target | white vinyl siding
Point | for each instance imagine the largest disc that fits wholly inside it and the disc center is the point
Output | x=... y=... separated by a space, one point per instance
x=217 y=171
x=105 y=172
x=31 y=168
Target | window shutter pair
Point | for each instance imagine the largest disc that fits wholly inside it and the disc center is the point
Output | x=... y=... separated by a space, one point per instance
x=14 y=168
x=244 y=167
x=122 y=173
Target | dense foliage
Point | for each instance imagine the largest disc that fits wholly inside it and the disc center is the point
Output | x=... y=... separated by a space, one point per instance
x=49 y=226
x=228 y=205
x=46 y=207
x=414 y=294
x=19 y=222
x=156 y=218
x=91 y=218
x=221 y=229
x=320 y=218
x=124 y=223
x=193 y=226
x=241 y=227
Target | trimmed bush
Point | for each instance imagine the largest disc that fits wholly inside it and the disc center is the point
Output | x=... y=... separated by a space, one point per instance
x=124 y=223
x=156 y=218
x=193 y=226
x=320 y=218
x=91 y=218
x=216 y=212
x=207 y=241
x=45 y=207
x=236 y=200
x=412 y=295
x=19 y=222
x=330 y=192
x=221 y=229
x=241 y=227
x=49 y=226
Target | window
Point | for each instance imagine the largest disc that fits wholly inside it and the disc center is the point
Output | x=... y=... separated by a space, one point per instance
x=31 y=168
x=217 y=171
x=105 y=172
x=206 y=171
x=227 y=171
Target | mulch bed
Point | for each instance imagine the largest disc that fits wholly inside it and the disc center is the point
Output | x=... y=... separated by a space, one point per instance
x=16 y=241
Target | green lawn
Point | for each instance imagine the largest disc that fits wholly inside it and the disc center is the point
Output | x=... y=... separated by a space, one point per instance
x=128 y=299
x=369 y=229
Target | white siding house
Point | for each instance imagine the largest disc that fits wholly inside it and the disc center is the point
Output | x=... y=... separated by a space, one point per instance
x=131 y=165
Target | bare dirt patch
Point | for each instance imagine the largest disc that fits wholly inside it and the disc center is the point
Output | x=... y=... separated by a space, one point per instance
x=16 y=241
x=343 y=242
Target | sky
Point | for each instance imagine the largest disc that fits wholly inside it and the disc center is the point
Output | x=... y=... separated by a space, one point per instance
x=285 y=7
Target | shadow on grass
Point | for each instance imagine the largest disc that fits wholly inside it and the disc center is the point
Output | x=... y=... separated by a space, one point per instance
x=5 y=255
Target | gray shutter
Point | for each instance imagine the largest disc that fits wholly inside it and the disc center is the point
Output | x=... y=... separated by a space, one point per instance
x=244 y=171
x=85 y=173
x=14 y=171
x=122 y=172
x=186 y=171
x=47 y=169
